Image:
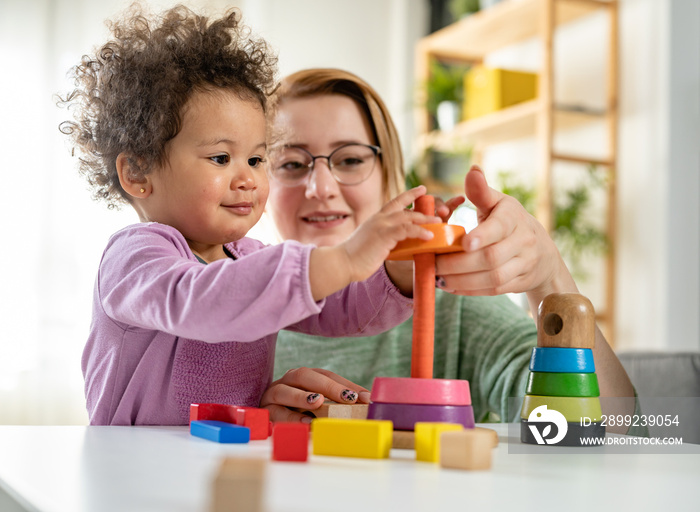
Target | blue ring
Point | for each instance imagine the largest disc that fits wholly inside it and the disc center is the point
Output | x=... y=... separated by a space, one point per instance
x=564 y=360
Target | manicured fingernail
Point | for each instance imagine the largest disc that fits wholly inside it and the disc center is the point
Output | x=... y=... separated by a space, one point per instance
x=474 y=244
x=348 y=396
x=477 y=168
x=312 y=398
x=364 y=397
x=439 y=282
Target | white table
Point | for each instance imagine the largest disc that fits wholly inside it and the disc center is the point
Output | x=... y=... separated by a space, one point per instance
x=75 y=469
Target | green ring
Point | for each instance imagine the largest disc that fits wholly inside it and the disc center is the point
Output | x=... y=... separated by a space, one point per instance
x=562 y=384
x=571 y=407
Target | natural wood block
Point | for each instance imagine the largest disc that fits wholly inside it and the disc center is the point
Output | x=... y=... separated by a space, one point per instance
x=335 y=410
x=492 y=433
x=466 y=449
x=428 y=439
x=369 y=439
x=566 y=320
x=404 y=440
x=239 y=485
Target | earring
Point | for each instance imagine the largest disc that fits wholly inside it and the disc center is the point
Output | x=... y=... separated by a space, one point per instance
x=143 y=190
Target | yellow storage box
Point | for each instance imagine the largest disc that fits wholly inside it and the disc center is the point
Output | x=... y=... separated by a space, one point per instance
x=487 y=90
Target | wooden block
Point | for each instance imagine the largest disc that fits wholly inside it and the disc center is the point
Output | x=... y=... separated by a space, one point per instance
x=571 y=407
x=405 y=416
x=403 y=440
x=290 y=442
x=563 y=360
x=215 y=412
x=562 y=384
x=331 y=409
x=428 y=439
x=466 y=449
x=369 y=439
x=492 y=433
x=256 y=419
x=219 y=431
x=405 y=390
x=239 y=485
x=566 y=320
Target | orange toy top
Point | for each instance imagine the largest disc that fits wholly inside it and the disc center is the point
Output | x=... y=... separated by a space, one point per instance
x=448 y=238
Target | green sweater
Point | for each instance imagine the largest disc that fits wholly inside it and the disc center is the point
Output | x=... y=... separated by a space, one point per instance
x=485 y=340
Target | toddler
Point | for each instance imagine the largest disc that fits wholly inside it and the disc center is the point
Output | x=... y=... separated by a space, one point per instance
x=170 y=119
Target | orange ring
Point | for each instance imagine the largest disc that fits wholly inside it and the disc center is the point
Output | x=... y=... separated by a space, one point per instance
x=448 y=238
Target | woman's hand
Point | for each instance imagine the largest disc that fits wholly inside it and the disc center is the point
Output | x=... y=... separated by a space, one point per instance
x=307 y=388
x=508 y=252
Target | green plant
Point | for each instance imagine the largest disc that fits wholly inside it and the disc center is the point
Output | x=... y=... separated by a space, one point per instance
x=460 y=8
x=445 y=83
x=573 y=232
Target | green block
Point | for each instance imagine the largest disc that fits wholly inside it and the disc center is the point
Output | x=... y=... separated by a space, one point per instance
x=562 y=384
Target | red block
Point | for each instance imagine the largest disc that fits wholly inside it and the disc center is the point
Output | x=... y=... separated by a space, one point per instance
x=214 y=412
x=257 y=420
x=290 y=442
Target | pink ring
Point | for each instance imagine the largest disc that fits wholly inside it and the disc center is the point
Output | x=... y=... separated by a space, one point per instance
x=405 y=390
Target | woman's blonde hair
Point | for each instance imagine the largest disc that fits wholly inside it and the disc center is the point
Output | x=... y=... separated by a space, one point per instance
x=323 y=81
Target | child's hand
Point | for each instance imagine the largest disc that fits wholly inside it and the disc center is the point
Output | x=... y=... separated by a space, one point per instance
x=307 y=388
x=356 y=259
x=370 y=244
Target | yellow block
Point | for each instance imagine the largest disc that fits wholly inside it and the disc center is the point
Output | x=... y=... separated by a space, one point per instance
x=368 y=439
x=428 y=439
x=487 y=90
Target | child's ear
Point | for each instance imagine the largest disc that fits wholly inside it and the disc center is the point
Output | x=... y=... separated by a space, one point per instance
x=138 y=188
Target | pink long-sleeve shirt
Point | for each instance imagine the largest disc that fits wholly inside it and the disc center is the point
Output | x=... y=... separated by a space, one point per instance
x=168 y=331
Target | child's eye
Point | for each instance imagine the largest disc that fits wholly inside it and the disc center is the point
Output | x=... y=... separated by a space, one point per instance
x=256 y=161
x=220 y=159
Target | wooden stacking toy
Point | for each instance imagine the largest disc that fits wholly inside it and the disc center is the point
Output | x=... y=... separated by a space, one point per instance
x=420 y=398
x=562 y=388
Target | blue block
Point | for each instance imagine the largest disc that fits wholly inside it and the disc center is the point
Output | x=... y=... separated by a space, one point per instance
x=562 y=360
x=220 y=431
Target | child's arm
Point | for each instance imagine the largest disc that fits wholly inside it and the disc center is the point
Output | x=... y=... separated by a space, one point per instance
x=356 y=259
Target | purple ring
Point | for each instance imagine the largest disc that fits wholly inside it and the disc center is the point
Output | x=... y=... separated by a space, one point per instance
x=405 y=416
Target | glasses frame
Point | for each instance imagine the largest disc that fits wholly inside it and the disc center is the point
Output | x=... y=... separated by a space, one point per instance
x=312 y=165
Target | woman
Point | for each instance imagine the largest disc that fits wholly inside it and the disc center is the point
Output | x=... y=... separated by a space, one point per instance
x=329 y=116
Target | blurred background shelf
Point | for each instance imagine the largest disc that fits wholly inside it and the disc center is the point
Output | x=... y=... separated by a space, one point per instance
x=468 y=42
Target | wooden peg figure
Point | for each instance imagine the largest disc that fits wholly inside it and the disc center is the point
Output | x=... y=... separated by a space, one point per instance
x=566 y=320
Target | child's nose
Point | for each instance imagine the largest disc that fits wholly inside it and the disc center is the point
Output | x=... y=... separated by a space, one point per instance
x=244 y=179
x=321 y=184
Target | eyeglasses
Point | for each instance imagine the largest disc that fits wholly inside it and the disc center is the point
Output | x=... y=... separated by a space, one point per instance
x=350 y=164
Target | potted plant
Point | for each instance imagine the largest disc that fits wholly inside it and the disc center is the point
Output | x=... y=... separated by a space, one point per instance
x=444 y=93
x=461 y=8
x=574 y=233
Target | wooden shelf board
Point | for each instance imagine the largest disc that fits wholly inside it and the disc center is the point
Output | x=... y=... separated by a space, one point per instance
x=510 y=123
x=499 y=26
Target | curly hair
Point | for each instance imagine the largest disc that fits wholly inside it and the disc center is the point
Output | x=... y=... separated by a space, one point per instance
x=130 y=94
